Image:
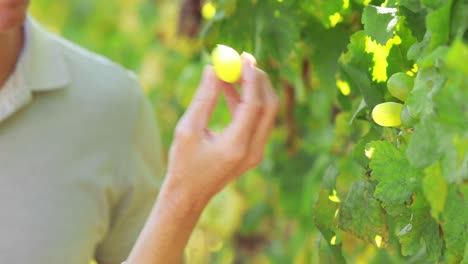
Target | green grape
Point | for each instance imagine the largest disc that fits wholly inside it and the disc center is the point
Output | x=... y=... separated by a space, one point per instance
x=227 y=63
x=387 y=114
x=400 y=85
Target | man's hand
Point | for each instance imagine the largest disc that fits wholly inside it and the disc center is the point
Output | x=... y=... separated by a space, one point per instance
x=202 y=162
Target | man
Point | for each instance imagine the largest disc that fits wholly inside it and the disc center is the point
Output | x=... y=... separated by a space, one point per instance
x=80 y=161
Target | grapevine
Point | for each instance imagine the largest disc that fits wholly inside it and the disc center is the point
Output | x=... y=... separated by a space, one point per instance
x=397 y=76
x=336 y=186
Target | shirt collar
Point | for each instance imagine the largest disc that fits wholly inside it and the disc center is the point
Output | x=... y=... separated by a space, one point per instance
x=43 y=66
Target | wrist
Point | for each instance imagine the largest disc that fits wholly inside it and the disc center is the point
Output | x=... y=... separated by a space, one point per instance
x=169 y=225
x=183 y=197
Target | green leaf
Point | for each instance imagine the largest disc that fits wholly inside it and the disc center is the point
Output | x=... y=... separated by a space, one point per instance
x=417 y=50
x=277 y=34
x=379 y=22
x=427 y=83
x=457 y=56
x=396 y=178
x=325 y=46
x=327 y=253
x=435 y=58
x=438 y=23
x=454 y=160
x=400 y=211
x=419 y=102
x=358 y=154
x=362 y=215
x=465 y=258
x=459 y=24
x=433 y=3
x=325 y=212
x=421 y=227
x=426 y=144
x=451 y=105
x=355 y=65
x=311 y=182
x=455 y=222
x=415 y=20
x=362 y=106
x=372 y=96
x=413 y=5
x=329 y=177
x=435 y=189
x=323 y=10
x=397 y=58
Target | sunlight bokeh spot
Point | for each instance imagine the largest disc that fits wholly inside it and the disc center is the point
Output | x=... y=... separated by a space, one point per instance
x=344 y=87
x=369 y=152
x=378 y=241
x=335 y=19
x=379 y=56
x=334 y=197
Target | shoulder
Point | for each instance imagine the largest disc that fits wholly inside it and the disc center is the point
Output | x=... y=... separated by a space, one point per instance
x=100 y=85
x=95 y=73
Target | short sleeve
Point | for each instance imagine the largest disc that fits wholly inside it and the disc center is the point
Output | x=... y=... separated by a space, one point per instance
x=143 y=171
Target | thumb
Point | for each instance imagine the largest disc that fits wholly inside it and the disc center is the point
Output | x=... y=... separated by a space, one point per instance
x=199 y=112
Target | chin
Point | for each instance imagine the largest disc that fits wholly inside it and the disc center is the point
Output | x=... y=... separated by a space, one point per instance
x=12 y=16
x=8 y=23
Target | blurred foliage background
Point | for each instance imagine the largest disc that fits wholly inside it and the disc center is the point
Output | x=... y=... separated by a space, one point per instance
x=272 y=214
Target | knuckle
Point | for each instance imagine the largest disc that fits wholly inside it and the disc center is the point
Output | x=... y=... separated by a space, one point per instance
x=256 y=106
x=184 y=133
x=262 y=77
x=207 y=76
x=273 y=100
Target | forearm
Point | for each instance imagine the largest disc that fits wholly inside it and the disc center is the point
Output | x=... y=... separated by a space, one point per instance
x=222 y=157
x=168 y=228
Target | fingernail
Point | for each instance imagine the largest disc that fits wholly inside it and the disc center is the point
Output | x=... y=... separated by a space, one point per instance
x=249 y=58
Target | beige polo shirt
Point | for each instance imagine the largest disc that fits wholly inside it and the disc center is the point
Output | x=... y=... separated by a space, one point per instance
x=80 y=156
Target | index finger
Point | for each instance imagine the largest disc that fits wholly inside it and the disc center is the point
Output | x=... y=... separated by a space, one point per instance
x=249 y=109
x=199 y=112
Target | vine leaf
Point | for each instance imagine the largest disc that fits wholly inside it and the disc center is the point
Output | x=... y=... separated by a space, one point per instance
x=451 y=100
x=322 y=10
x=423 y=228
x=438 y=23
x=426 y=144
x=413 y=5
x=427 y=84
x=379 y=22
x=457 y=56
x=354 y=65
x=362 y=215
x=435 y=189
x=396 y=178
x=325 y=212
x=459 y=19
x=359 y=150
x=434 y=4
x=455 y=223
